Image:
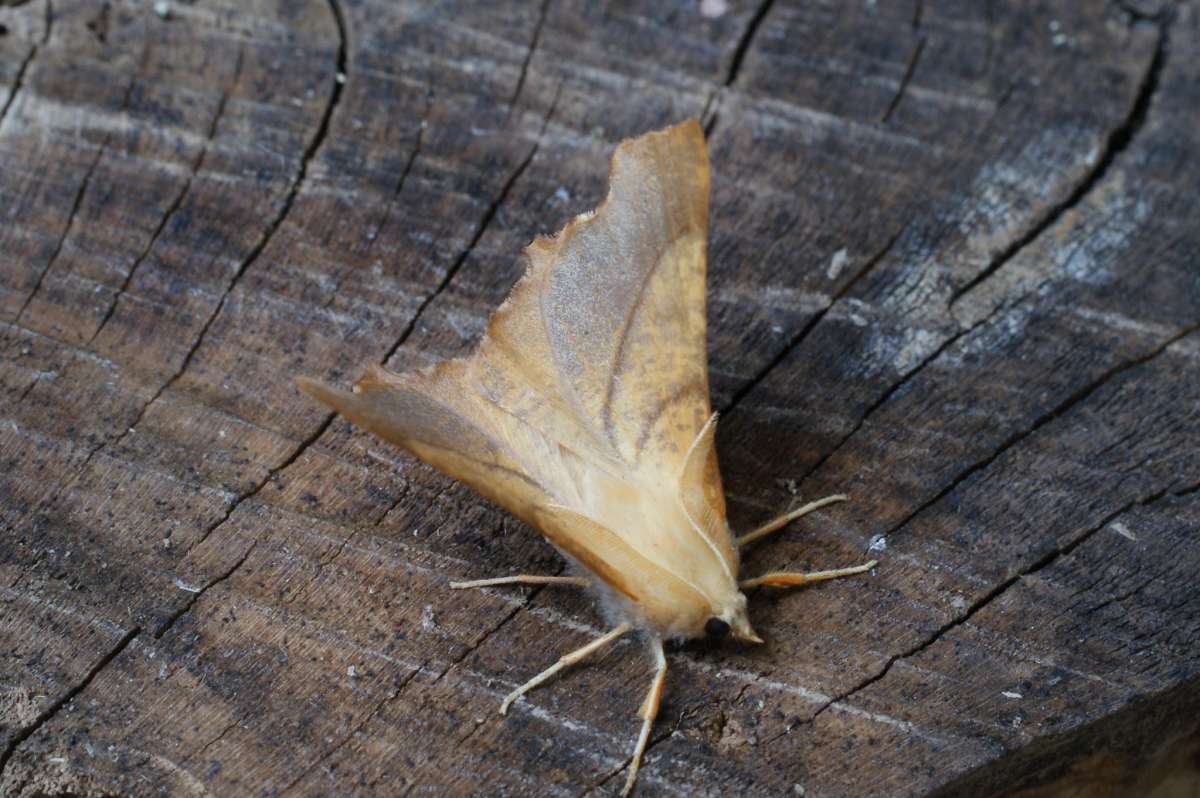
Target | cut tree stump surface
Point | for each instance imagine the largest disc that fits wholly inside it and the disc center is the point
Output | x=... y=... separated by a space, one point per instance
x=954 y=273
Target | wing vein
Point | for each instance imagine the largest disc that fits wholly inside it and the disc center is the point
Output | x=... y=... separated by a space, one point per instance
x=618 y=360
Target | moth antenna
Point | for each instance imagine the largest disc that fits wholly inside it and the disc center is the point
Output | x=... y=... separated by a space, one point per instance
x=565 y=661
x=522 y=579
x=787 y=518
x=702 y=445
x=794 y=579
x=648 y=713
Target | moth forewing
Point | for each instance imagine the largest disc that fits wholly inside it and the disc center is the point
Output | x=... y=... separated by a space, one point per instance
x=585 y=412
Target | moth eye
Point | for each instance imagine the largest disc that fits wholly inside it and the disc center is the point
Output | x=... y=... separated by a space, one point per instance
x=715 y=627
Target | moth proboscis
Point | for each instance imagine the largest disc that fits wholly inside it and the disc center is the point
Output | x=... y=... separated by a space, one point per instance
x=585 y=412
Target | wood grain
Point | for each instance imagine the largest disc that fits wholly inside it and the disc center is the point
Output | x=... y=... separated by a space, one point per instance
x=953 y=273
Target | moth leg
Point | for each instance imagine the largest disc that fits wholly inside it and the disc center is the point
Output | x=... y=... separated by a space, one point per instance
x=564 y=661
x=648 y=713
x=522 y=579
x=787 y=518
x=794 y=579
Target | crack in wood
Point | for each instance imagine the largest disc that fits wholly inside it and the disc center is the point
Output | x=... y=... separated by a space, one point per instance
x=710 y=113
x=87 y=179
x=408 y=167
x=619 y=769
x=1115 y=599
x=49 y=712
x=1118 y=141
x=387 y=698
x=271 y=475
x=171 y=619
x=29 y=388
x=326 y=561
x=1141 y=15
x=18 y=81
x=533 y=44
x=293 y=191
x=650 y=745
x=66 y=231
x=913 y=60
x=469 y=650
x=19 y=78
x=196 y=165
x=893 y=389
x=204 y=748
x=1059 y=410
x=799 y=337
x=74 y=346
x=744 y=42
x=1048 y=559
x=488 y=215
x=373 y=236
x=1043 y=562
x=1187 y=491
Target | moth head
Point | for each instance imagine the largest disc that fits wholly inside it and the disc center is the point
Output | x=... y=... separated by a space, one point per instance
x=731 y=620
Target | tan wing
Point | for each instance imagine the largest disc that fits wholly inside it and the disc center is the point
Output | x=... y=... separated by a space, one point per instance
x=606 y=330
x=662 y=595
x=428 y=413
x=589 y=391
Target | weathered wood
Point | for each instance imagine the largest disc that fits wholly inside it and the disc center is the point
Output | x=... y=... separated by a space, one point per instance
x=953 y=273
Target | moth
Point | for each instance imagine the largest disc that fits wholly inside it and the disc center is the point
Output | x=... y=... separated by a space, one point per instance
x=585 y=413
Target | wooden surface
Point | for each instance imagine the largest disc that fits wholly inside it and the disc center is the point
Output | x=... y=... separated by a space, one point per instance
x=955 y=273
